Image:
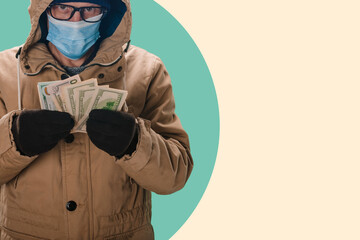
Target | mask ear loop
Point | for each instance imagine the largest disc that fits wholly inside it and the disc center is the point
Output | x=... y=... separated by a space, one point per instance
x=18 y=79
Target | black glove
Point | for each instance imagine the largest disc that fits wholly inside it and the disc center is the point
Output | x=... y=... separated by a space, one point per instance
x=38 y=131
x=113 y=132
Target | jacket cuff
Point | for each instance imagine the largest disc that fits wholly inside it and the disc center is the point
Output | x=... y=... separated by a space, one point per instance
x=132 y=146
x=8 y=146
x=141 y=156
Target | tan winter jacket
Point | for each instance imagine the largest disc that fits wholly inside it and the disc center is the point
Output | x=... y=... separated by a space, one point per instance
x=113 y=196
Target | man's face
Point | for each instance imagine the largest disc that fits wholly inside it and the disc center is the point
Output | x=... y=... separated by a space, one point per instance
x=63 y=9
x=64 y=36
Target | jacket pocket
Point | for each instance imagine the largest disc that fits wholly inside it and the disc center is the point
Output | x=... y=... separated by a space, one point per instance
x=20 y=217
x=17 y=235
x=145 y=232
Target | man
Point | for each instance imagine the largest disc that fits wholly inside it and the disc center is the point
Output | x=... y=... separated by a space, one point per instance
x=94 y=185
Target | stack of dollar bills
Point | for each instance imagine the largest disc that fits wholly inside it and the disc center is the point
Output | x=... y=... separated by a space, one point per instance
x=79 y=97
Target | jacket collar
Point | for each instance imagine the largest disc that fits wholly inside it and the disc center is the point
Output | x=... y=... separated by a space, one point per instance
x=104 y=70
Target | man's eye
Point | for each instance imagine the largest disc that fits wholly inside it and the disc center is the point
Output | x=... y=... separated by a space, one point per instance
x=89 y=9
x=63 y=8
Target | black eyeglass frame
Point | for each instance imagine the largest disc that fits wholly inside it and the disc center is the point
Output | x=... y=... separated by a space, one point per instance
x=80 y=10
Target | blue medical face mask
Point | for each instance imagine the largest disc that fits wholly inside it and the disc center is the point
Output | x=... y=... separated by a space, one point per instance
x=73 y=39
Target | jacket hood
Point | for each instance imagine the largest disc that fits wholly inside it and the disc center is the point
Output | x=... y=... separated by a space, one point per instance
x=115 y=32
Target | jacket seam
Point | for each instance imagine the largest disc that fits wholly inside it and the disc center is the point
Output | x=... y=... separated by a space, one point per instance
x=42 y=68
x=64 y=179
x=6 y=152
x=151 y=76
x=90 y=202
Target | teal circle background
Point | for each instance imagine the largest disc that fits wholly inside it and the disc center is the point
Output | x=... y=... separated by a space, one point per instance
x=155 y=30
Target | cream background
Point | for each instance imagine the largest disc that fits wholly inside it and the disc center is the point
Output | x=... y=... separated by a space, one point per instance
x=287 y=78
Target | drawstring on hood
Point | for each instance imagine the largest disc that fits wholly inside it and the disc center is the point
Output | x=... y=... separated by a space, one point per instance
x=18 y=79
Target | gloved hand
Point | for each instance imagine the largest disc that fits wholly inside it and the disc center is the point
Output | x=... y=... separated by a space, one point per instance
x=114 y=132
x=38 y=131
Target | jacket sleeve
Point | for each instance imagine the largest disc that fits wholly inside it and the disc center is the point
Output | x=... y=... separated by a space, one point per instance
x=162 y=162
x=11 y=161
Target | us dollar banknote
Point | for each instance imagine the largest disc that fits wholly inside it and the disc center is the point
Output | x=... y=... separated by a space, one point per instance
x=83 y=98
x=79 y=97
x=103 y=98
x=44 y=92
x=56 y=91
x=68 y=94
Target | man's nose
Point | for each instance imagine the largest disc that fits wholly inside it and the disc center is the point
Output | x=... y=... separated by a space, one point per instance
x=76 y=17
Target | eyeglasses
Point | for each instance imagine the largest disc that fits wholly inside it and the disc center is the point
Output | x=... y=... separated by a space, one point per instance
x=66 y=12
